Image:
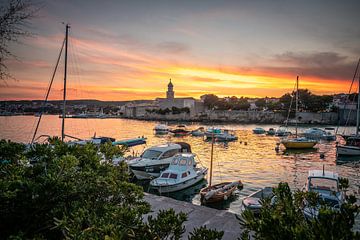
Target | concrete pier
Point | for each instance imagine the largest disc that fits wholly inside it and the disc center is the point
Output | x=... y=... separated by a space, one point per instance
x=198 y=216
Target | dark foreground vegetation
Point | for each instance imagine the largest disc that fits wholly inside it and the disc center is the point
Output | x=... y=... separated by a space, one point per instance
x=74 y=192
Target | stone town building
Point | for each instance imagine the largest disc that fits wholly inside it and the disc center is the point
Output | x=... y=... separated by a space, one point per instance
x=170 y=101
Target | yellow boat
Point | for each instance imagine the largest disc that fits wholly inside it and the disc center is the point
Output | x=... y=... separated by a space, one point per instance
x=298 y=143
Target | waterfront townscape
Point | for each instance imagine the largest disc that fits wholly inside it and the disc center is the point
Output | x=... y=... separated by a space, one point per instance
x=210 y=125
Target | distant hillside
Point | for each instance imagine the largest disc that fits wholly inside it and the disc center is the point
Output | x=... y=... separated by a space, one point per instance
x=87 y=102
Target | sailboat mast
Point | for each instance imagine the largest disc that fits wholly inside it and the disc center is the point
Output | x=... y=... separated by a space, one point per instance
x=296 y=105
x=358 y=109
x=65 y=75
x=212 y=153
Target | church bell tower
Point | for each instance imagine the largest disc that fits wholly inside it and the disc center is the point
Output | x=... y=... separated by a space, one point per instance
x=170 y=92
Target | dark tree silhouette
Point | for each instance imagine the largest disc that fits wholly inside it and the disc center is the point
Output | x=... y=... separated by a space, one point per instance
x=14 y=19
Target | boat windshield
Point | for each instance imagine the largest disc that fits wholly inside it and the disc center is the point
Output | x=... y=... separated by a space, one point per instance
x=323 y=184
x=151 y=154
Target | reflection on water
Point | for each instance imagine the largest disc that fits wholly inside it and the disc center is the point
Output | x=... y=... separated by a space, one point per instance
x=252 y=158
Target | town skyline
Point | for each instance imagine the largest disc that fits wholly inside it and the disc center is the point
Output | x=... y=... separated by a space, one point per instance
x=129 y=50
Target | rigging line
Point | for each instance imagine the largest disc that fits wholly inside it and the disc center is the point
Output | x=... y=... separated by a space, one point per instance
x=348 y=96
x=81 y=87
x=292 y=98
x=48 y=91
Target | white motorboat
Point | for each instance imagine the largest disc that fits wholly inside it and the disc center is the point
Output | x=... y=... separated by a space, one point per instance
x=259 y=130
x=314 y=133
x=182 y=173
x=352 y=145
x=253 y=202
x=326 y=184
x=156 y=159
x=161 y=129
x=198 y=132
x=220 y=134
x=329 y=134
x=282 y=132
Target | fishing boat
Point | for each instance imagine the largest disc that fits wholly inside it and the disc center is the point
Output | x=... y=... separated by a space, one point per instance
x=271 y=132
x=218 y=192
x=258 y=130
x=253 y=202
x=156 y=159
x=180 y=131
x=329 y=134
x=182 y=173
x=282 y=132
x=161 y=129
x=352 y=142
x=131 y=142
x=198 y=132
x=314 y=133
x=298 y=142
x=326 y=184
x=221 y=135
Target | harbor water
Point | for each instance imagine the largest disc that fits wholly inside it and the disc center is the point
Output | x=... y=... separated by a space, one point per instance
x=252 y=158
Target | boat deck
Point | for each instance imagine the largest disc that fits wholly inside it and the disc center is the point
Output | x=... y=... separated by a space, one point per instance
x=198 y=216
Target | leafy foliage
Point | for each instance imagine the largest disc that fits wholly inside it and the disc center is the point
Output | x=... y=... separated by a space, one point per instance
x=69 y=193
x=14 y=17
x=283 y=218
x=203 y=233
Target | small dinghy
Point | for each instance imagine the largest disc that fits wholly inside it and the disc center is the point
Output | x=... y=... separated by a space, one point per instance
x=253 y=201
x=259 y=130
x=219 y=192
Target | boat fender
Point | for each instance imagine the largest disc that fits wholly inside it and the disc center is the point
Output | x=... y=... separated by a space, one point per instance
x=209 y=194
x=225 y=197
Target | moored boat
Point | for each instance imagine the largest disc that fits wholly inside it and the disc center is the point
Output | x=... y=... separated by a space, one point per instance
x=258 y=130
x=161 y=129
x=180 y=130
x=314 y=133
x=297 y=142
x=352 y=145
x=198 y=132
x=220 y=134
x=182 y=173
x=253 y=202
x=271 y=132
x=156 y=159
x=326 y=184
x=218 y=192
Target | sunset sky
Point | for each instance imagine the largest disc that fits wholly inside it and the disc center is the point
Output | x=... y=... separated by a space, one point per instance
x=123 y=50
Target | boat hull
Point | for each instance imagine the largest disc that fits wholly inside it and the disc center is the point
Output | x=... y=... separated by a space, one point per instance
x=148 y=172
x=220 y=196
x=347 y=151
x=298 y=145
x=179 y=186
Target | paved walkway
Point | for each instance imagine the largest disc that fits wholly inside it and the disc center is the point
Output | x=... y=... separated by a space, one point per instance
x=220 y=220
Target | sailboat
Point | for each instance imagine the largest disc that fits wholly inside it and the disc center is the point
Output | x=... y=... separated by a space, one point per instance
x=77 y=141
x=298 y=142
x=218 y=192
x=352 y=145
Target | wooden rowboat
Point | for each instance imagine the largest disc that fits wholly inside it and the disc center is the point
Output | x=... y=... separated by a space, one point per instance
x=219 y=192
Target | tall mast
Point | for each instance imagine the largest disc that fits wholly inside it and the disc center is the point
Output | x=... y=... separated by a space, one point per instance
x=358 y=109
x=65 y=75
x=212 y=153
x=296 y=105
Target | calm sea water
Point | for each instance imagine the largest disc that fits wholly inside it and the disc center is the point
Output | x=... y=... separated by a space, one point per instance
x=256 y=163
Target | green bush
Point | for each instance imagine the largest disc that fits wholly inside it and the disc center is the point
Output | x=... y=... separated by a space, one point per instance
x=284 y=218
x=68 y=193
